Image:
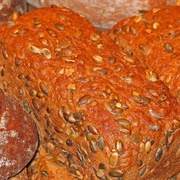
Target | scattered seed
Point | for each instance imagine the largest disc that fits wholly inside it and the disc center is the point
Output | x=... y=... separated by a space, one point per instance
x=116 y=173
x=100 y=142
x=142 y=171
x=5 y=54
x=151 y=75
x=155 y=114
x=33 y=92
x=137 y=19
x=65 y=44
x=168 y=47
x=43 y=88
x=129 y=59
x=100 y=173
x=154 y=127
x=98 y=58
x=46 y=53
x=127 y=79
x=59 y=27
x=34 y=49
x=51 y=33
x=3 y=71
x=18 y=61
x=78 y=33
x=136 y=137
x=155 y=10
x=158 y=154
x=148 y=147
x=84 y=99
x=142 y=147
x=145 y=50
x=99 y=70
x=173 y=177
x=36 y=104
x=119 y=147
x=139 y=162
x=156 y=25
x=113 y=159
x=176 y=123
x=112 y=60
x=123 y=122
x=117 y=111
x=45 y=173
x=92 y=129
x=125 y=131
x=168 y=78
x=95 y=37
x=93 y=146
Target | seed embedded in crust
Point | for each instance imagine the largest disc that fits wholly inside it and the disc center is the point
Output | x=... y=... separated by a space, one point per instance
x=98 y=58
x=151 y=75
x=148 y=147
x=142 y=171
x=112 y=60
x=33 y=92
x=36 y=104
x=129 y=59
x=139 y=162
x=169 y=47
x=136 y=137
x=155 y=114
x=46 y=53
x=123 y=122
x=59 y=27
x=5 y=54
x=92 y=129
x=138 y=19
x=34 y=49
x=100 y=173
x=158 y=154
x=119 y=147
x=51 y=32
x=43 y=88
x=156 y=25
x=93 y=146
x=116 y=173
x=100 y=142
x=113 y=159
x=84 y=99
x=18 y=61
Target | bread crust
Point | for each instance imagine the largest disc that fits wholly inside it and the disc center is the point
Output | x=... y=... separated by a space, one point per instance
x=98 y=115
x=104 y=13
x=18 y=136
x=154 y=39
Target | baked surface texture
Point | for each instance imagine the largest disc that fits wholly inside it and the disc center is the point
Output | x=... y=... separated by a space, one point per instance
x=105 y=13
x=154 y=39
x=98 y=114
x=18 y=137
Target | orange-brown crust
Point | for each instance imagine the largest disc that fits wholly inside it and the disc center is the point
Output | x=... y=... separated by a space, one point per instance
x=96 y=111
x=154 y=39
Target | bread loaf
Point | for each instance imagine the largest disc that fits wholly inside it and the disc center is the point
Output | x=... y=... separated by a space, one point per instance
x=154 y=38
x=7 y=7
x=105 y=13
x=18 y=137
x=98 y=114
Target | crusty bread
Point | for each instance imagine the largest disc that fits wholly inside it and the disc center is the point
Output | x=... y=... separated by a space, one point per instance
x=7 y=8
x=18 y=137
x=105 y=13
x=98 y=114
x=154 y=39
